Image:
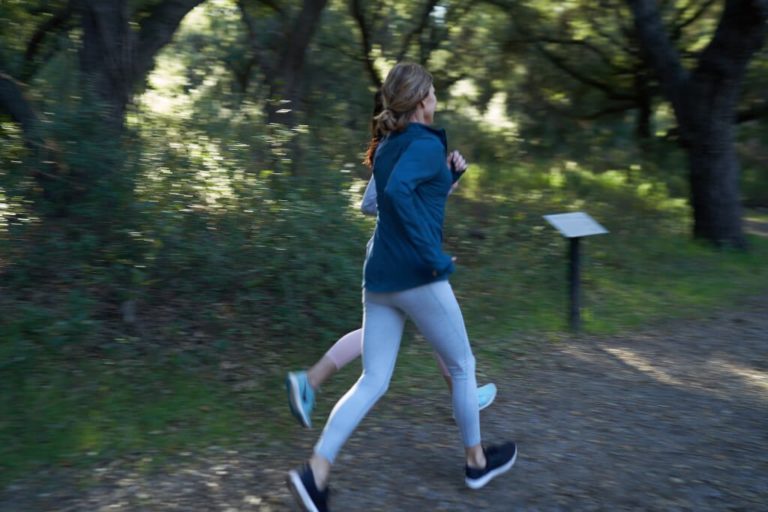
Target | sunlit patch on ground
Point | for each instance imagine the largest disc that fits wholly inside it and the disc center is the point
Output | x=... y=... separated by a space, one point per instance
x=750 y=377
x=756 y=227
x=644 y=365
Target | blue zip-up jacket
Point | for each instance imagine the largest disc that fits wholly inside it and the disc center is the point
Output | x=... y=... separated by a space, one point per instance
x=412 y=185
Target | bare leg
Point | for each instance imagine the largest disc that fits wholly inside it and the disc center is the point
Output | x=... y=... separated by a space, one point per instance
x=321 y=372
x=321 y=468
x=301 y=386
x=475 y=456
x=449 y=382
x=345 y=350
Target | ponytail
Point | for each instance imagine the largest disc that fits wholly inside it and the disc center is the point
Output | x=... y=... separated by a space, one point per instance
x=406 y=85
x=391 y=121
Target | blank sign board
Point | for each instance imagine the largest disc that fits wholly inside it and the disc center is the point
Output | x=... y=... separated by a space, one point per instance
x=575 y=225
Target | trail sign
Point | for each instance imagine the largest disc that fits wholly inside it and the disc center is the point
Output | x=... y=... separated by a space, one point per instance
x=575 y=226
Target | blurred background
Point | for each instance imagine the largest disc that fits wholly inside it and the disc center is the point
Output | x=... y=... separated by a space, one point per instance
x=179 y=182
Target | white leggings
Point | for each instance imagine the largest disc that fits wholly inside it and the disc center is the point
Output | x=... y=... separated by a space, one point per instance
x=434 y=310
x=350 y=346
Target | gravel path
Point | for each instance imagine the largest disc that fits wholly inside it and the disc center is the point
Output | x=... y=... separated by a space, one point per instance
x=669 y=419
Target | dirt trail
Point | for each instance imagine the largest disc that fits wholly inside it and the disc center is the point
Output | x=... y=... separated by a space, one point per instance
x=669 y=419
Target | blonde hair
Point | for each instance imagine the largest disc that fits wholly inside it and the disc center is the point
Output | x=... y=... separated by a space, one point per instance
x=406 y=85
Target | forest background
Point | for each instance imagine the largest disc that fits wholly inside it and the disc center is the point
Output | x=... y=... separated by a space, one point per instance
x=179 y=182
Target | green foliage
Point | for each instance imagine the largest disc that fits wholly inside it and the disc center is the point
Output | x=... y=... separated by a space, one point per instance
x=503 y=234
x=286 y=263
x=753 y=152
x=512 y=266
x=62 y=412
x=755 y=186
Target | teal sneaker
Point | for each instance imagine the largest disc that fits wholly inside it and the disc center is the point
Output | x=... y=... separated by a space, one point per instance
x=486 y=395
x=301 y=397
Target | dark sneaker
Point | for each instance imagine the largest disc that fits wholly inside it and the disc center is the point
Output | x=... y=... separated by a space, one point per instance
x=301 y=483
x=301 y=397
x=498 y=460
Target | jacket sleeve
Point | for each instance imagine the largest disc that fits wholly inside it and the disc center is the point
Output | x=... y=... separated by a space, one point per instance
x=368 y=205
x=456 y=175
x=423 y=160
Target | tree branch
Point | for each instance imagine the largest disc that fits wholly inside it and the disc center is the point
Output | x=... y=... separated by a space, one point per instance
x=740 y=33
x=572 y=114
x=59 y=20
x=501 y=4
x=157 y=31
x=584 y=44
x=418 y=29
x=623 y=107
x=659 y=52
x=301 y=34
x=685 y=22
x=341 y=50
x=358 y=14
x=275 y=7
x=618 y=19
x=559 y=62
x=15 y=104
x=258 y=53
x=753 y=114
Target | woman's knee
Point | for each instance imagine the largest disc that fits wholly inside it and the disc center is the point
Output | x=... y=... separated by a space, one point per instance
x=462 y=367
x=374 y=385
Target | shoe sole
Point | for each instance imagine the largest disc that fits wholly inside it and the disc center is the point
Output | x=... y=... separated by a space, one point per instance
x=482 y=482
x=299 y=492
x=294 y=400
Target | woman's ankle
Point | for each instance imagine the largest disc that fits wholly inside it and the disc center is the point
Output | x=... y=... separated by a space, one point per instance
x=475 y=457
x=320 y=372
x=321 y=470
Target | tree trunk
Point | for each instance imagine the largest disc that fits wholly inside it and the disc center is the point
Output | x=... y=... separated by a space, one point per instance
x=285 y=86
x=114 y=60
x=710 y=106
x=286 y=82
x=106 y=58
x=705 y=103
x=645 y=108
x=366 y=45
x=713 y=163
x=714 y=180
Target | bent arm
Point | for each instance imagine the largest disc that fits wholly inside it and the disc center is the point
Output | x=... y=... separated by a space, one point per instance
x=368 y=205
x=420 y=162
